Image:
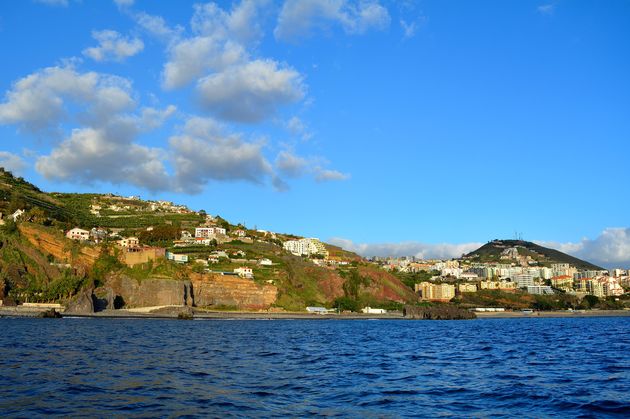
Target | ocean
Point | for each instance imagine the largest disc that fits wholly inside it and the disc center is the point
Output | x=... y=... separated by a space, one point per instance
x=529 y=367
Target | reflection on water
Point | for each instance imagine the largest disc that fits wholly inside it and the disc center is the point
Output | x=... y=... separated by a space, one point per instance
x=500 y=367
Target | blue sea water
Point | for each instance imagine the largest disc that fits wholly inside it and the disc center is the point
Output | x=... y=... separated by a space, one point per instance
x=532 y=367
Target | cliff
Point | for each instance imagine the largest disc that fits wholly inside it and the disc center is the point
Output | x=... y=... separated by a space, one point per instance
x=148 y=292
x=61 y=248
x=228 y=290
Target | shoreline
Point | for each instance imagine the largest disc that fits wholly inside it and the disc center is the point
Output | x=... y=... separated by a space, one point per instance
x=262 y=315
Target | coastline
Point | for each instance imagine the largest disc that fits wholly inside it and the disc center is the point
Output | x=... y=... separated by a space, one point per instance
x=263 y=315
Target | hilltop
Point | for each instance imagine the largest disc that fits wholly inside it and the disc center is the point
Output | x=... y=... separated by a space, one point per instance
x=502 y=251
x=39 y=263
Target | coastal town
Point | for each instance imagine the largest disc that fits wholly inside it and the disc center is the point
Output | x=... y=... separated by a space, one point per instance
x=516 y=270
x=237 y=267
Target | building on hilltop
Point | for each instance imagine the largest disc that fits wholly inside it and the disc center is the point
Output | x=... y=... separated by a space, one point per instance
x=306 y=247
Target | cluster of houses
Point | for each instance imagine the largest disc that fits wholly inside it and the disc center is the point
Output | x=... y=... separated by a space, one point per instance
x=306 y=247
x=453 y=277
x=135 y=204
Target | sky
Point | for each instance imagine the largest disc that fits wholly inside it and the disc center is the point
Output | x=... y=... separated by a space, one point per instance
x=419 y=128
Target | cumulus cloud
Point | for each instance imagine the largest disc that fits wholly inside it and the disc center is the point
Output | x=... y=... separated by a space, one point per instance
x=250 y=92
x=220 y=39
x=300 y=18
x=12 y=162
x=610 y=249
x=291 y=165
x=104 y=146
x=91 y=154
x=194 y=57
x=204 y=152
x=157 y=27
x=113 y=46
x=39 y=101
x=419 y=250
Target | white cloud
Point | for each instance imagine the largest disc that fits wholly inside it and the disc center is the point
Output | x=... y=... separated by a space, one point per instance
x=290 y=164
x=610 y=249
x=220 y=40
x=12 y=162
x=325 y=175
x=546 y=9
x=90 y=155
x=38 y=102
x=62 y=3
x=250 y=92
x=157 y=27
x=298 y=128
x=419 y=250
x=300 y=18
x=194 y=57
x=113 y=46
x=203 y=152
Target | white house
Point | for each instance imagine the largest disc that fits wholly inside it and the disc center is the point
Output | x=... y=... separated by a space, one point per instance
x=17 y=214
x=244 y=272
x=78 y=234
x=129 y=242
x=265 y=262
x=306 y=247
x=370 y=310
x=209 y=232
x=177 y=258
x=239 y=233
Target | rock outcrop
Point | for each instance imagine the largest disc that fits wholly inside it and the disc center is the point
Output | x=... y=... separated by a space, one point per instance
x=437 y=312
x=150 y=292
x=228 y=290
x=82 y=303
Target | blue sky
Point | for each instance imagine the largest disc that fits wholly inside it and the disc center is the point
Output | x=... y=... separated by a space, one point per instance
x=401 y=127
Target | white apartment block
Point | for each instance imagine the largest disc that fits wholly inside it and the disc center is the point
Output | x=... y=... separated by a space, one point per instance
x=306 y=247
x=209 y=232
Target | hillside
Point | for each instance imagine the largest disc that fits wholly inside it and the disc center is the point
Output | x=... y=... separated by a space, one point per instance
x=39 y=264
x=502 y=251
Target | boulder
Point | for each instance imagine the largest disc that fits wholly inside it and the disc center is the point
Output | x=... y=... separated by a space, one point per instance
x=82 y=303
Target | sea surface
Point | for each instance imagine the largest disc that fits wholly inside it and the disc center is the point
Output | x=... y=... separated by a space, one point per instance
x=531 y=367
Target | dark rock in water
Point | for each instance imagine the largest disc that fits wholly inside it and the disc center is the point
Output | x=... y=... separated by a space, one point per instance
x=184 y=316
x=437 y=312
x=50 y=314
x=82 y=304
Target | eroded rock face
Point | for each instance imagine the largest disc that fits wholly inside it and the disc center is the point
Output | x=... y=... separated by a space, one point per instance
x=227 y=290
x=82 y=304
x=150 y=292
x=438 y=312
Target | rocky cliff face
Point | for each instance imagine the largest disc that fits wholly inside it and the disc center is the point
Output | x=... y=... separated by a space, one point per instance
x=150 y=292
x=48 y=243
x=220 y=290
